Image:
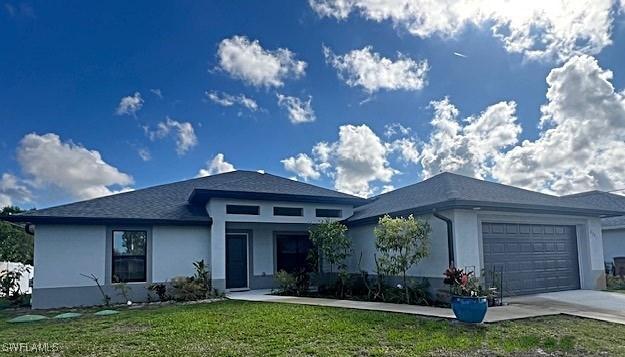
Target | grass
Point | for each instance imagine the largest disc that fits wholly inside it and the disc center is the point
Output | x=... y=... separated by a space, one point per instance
x=229 y=328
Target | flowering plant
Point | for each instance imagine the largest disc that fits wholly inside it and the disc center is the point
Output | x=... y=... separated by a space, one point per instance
x=464 y=284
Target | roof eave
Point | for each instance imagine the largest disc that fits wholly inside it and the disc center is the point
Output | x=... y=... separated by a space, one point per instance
x=612 y=228
x=104 y=220
x=199 y=196
x=484 y=205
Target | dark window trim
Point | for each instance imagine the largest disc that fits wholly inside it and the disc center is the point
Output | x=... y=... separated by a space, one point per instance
x=298 y=211
x=145 y=256
x=254 y=210
x=337 y=210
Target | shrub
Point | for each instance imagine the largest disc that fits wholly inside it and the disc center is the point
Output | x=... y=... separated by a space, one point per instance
x=203 y=276
x=185 y=288
x=286 y=282
x=105 y=298
x=333 y=245
x=615 y=282
x=462 y=283
x=402 y=243
x=123 y=290
x=160 y=289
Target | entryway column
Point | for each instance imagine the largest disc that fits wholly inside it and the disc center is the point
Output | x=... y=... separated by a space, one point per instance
x=467 y=240
x=218 y=254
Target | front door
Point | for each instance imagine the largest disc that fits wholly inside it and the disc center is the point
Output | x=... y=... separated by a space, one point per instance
x=236 y=261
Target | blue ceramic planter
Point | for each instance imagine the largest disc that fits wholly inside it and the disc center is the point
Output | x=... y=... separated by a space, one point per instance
x=469 y=309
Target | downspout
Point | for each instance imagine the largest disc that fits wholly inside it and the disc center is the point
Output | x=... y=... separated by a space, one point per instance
x=450 y=236
x=29 y=229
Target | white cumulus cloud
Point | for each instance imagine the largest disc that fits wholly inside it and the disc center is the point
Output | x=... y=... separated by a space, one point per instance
x=77 y=171
x=355 y=161
x=228 y=100
x=300 y=111
x=302 y=165
x=217 y=165
x=250 y=62
x=184 y=132
x=407 y=149
x=13 y=190
x=369 y=70
x=130 y=105
x=582 y=144
x=538 y=29
x=393 y=129
x=468 y=147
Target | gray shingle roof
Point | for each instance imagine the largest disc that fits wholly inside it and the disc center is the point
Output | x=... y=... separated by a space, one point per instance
x=447 y=190
x=604 y=200
x=613 y=222
x=169 y=203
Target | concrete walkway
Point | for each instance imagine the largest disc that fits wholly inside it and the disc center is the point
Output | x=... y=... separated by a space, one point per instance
x=598 y=305
x=495 y=314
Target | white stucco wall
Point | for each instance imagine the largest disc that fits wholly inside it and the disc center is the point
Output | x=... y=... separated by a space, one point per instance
x=363 y=241
x=175 y=248
x=467 y=228
x=216 y=208
x=63 y=252
x=613 y=244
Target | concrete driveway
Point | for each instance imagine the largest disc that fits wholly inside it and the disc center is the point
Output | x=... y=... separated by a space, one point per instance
x=600 y=305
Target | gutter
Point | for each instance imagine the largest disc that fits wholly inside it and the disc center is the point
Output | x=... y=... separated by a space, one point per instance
x=450 y=236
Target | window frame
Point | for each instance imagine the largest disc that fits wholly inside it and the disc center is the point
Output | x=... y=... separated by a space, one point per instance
x=277 y=236
x=111 y=259
x=233 y=205
x=299 y=209
x=339 y=210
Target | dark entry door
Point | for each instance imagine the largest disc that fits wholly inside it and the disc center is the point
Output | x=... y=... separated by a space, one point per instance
x=236 y=261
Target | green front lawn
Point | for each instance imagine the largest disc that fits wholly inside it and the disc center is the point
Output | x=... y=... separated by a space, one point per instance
x=247 y=328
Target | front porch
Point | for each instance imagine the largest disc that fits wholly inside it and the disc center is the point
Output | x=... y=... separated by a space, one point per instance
x=253 y=252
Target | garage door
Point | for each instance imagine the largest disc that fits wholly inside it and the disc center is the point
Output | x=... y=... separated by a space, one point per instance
x=535 y=258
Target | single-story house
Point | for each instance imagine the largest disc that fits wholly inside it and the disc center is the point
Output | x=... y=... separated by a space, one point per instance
x=248 y=225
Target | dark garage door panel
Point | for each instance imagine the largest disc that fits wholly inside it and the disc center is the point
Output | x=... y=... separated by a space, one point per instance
x=536 y=258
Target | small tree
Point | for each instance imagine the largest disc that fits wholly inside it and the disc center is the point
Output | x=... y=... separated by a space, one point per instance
x=402 y=243
x=333 y=246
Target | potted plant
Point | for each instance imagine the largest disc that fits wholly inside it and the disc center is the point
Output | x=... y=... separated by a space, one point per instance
x=469 y=300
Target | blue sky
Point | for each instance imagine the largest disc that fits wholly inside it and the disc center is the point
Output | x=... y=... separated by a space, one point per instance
x=65 y=69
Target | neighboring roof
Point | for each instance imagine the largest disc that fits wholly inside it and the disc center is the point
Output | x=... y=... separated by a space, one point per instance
x=169 y=203
x=613 y=223
x=599 y=199
x=447 y=190
x=604 y=200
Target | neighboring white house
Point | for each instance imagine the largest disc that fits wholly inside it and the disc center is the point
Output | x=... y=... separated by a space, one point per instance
x=613 y=238
x=613 y=228
x=247 y=226
x=26 y=271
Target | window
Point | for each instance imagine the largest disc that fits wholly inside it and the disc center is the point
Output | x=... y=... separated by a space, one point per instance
x=288 y=211
x=292 y=252
x=242 y=209
x=129 y=256
x=330 y=213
